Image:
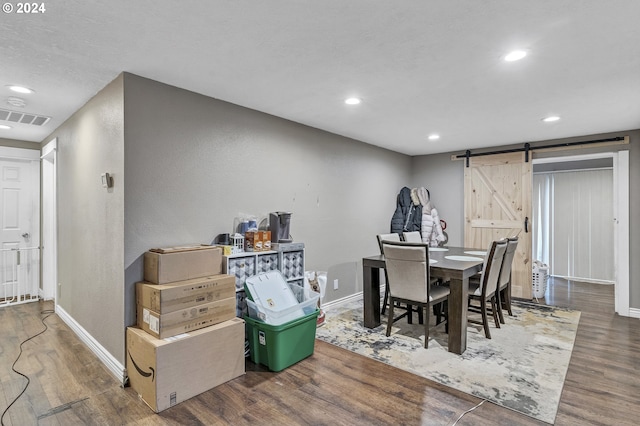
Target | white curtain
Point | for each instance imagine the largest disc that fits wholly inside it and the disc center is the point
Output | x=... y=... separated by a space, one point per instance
x=542 y=197
x=573 y=219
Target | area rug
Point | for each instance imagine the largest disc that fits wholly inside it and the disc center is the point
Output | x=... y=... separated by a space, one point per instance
x=522 y=367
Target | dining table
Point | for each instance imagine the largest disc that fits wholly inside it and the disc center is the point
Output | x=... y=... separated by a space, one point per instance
x=452 y=264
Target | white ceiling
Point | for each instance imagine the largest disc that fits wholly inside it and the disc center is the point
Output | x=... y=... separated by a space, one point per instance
x=420 y=66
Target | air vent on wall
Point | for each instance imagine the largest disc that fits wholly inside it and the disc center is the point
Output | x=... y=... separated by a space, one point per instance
x=24 y=118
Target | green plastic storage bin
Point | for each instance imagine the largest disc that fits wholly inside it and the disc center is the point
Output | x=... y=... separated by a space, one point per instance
x=280 y=346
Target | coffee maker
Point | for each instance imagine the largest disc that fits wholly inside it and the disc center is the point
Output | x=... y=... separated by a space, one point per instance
x=279 y=225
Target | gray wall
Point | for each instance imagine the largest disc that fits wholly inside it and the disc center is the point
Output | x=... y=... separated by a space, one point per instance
x=193 y=163
x=19 y=144
x=445 y=180
x=90 y=218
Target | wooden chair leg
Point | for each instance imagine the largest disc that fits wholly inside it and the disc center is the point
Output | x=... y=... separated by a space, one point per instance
x=390 y=318
x=409 y=314
x=386 y=292
x=426 y=325
x=485 y=321
x=385 y=301
x=440 y=312
x=507 y=299
x=499 y=303
x=494 y=312
x=445 y=309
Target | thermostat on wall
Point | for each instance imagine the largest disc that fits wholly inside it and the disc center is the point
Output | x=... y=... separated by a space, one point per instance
x=107 y=180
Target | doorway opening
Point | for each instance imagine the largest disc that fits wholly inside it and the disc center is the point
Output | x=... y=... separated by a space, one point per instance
x=579 y=238
x=20 y=230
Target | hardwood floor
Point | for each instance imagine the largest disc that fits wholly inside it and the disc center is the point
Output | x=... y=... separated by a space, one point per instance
x=603 y=382
x=69 y=386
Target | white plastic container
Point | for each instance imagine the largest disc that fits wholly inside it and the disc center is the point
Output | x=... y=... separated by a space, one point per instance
x=540 y=277
x=273 y=317
x=274 y=302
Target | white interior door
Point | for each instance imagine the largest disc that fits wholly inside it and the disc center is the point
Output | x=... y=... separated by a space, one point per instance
x=19 y=225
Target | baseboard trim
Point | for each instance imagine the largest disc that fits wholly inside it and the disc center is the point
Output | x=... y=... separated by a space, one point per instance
x=342 y=301
x=112 y=364
x=634 y=312
x=585 y=280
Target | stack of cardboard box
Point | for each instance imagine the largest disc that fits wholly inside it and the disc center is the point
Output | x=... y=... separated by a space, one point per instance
x=188 y=339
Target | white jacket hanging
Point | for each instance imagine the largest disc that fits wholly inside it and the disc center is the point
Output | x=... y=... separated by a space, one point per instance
x=431 y=229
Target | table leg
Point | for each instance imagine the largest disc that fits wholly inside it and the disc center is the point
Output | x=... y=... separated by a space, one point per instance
x=371 y=296
x=458 y=315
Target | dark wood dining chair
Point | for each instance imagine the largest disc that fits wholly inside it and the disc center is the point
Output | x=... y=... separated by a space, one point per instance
x=386 y=237
x=503 y=294
x=483 y=292
x=416 y=237
x=412 y=237
x=409 y=274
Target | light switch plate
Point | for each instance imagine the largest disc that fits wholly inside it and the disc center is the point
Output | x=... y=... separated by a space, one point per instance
x=107 y=180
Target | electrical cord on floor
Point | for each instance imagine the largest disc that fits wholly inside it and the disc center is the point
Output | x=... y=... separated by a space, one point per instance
x=468 y=411
x=48 y=313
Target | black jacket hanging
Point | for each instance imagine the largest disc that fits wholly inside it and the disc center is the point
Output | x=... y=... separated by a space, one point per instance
x=407 y=216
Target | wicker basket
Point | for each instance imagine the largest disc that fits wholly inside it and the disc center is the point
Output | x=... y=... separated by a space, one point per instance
x=540 y=277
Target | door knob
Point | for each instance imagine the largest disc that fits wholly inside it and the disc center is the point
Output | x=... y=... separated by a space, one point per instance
x=25 y=235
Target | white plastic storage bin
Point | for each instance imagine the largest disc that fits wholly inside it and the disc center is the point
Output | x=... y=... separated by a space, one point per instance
x=540 y=277
x=274 y=317
x=270 y=298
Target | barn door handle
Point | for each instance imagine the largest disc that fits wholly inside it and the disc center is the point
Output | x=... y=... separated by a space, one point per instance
x=526 y=224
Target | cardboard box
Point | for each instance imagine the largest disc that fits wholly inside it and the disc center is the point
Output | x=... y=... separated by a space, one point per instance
x=266 y=240
x=186 y=320
x=252 y=241
x=166 y=298
x=257 y=241
x=167 y=372
x=172 y=264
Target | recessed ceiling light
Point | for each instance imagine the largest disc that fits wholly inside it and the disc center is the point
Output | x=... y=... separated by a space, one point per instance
x=516 y=55
x=434 y=137
x=352 y=101
x=20 y=89
x=551 y=119
x=4 y=127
